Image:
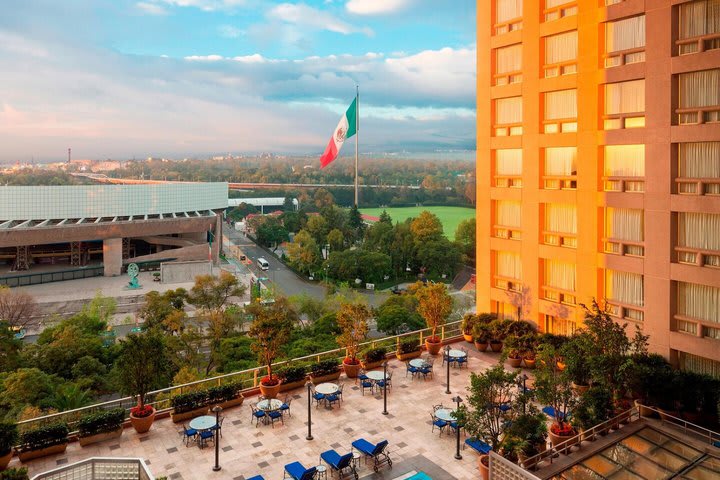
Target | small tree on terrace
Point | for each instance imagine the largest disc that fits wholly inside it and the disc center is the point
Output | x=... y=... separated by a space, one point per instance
x=434 y=305
x=352 y=319
x=270 y=329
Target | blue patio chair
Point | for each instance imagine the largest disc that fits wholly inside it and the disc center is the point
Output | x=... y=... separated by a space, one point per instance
x=256 y=415
x=410 y=369
x=362 y=376
x=385 y=383
x=478 y=445
x=436 y=422
x=275 y=415
x=365 y=384
x=341 y=387
x=205 y=436
x=218 y=427
x=376 y=452
x=256 y=477
x=318 y=397
x=189 y=435
x=504 y=407
x=285 y=407
x=343 y=465
x=425 y=371
x=550 y=412
x=332 y=398
x=716 y=444
x=462 y=361
x=297 y=471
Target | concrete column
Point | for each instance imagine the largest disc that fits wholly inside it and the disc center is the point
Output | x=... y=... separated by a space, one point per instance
x=217 y=240
x=112 y=256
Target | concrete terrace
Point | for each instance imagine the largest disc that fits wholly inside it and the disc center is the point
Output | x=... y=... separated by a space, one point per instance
x=247 y=450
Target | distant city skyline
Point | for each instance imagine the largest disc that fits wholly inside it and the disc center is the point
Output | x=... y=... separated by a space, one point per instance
x=123 y=79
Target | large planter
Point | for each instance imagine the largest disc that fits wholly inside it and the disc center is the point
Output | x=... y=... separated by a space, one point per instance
x=325 y=378
x=284 y=387
x=408 y=356
x=5 y=460
x=579 y=390
x=556 y=439
x=43 y=452
x=142 y=424
x=484 y=467
x=100 y=437
x=529 y=362
x=433 y=348
x=371 y=365
x=481 y=346
x=351 y=370
x=270 y=391
x=523 y=459
x=468 y=337
x=496 y=346
x=514 y=362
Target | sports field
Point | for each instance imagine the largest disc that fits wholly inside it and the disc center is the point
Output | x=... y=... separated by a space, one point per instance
x=449 y=216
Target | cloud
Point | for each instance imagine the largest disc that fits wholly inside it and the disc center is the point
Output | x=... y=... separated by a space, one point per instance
x=205 y=5
x=375 y=7
x=151 y=8
x=305 y=16
x=228 y=31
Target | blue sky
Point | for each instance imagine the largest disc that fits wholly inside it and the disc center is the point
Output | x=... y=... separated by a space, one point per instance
x=121 y=78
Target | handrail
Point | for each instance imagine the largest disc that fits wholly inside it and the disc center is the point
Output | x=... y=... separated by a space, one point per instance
x=510 y=181
x=564 y=239
x=699 y=254
x=560 y=66
x=698 y=322
x=509 y=230
x=507 y=129
x=624 y=180
x=67 y=471
x=622 y=54
x=623 y=244
x=562 y=296
x=710 y=435
x=623 y=117
x=699 y=40
x=699 y=184
x=559 y=8
x=509 y=24
x=449 y=332
x=513 y=284
x=699 y=113
x=626 y=306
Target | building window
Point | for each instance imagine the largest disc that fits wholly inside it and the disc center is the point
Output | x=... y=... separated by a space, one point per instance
x=699 y=26
x=508 y=116
x=559 y=326
x=698 y=310
x=508 y=167
x=624 y=294
x=508 y=219
x=559 y=285
x=508 y=16
x=560 y=225
x=699 y=239
x=624 y=231
x=612 y=2
x=697 y=364
x=560 y=111
x=624 y=168
x=561 y=53
x=625 y=41
x=560 y=168
x=508 y=65
x=506 y=311
x=699 y=99
x=624 y=105
x=555 y=9
x=508 y=271
x=699 y=168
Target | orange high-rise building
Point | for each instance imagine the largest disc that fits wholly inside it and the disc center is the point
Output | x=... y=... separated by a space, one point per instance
x=598 y=169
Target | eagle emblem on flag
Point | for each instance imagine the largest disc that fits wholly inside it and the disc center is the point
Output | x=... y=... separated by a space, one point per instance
x=340 y=134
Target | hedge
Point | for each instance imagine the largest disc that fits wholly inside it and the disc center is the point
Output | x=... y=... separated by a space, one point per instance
x=43 y=437
x=14 y=474
x=326 y=367
x=374 y=355
x=186 y=402
x=101 y=422
x=292 y=373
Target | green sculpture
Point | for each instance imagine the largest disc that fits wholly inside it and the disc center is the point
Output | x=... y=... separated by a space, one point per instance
x=132 y=271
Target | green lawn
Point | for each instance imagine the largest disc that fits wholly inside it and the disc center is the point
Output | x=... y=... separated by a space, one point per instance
x=449 y=216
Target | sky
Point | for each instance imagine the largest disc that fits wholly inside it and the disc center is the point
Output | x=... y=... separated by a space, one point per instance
x=182 y=78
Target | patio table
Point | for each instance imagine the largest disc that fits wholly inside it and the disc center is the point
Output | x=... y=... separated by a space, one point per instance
x=445 y=414
x=205 y=422
x=457 y=353
x=269 y=404
x=418 y=363
x=327 y=388
x=375 y=375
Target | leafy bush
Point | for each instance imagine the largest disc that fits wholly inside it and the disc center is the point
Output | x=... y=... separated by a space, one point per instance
x=186 y=402
x=224 y=393
x=14 y=474
x=43 y=437
x=292 y=373
x=408 y=346
x=326 y=367
x=8 y=437
x=374 y=355
x=101 y=422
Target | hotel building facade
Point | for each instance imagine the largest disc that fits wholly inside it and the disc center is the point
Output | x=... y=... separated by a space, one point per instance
x=598 y=169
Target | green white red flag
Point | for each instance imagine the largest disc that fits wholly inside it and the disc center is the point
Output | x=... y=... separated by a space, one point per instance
x=345 y=129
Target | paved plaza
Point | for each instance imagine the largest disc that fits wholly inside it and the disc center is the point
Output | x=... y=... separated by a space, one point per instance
x=247 y=450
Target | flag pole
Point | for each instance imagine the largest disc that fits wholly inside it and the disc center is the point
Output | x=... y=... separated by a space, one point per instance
x=357 y=133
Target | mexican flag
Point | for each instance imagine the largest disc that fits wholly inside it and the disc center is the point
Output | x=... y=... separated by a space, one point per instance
x=345 y=129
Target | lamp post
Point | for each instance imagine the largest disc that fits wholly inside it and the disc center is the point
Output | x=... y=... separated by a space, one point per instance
x=447 y=361
x=524 y=378
x=217 y=409
x=309 y=415
x=457 y=400
x=385 y=379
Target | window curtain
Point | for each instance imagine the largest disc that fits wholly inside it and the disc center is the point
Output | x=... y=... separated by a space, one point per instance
x=508 y=110
x=561 y=161
x=559 y=326
x=560 y=275
x=625 y=97
x=561 y=48
x=508 y=213
x=560 y=218
x=625 y=224
x=699 y=18
x=508 y=10
x=699 y=160
x=699 y=301
x=625 y=160
x=555 y=3
x=624 y=287
x=561 y=104
x=700 y=89
x=625 y=34
x=699 y=230
x=509 y=265
x=508 y=162
x=697 y=364
x=509 y=59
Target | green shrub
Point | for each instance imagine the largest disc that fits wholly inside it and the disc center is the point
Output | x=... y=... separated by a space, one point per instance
x=8 y=437
x=292 y=373
x=14 y=474
x=326 y=367
x=186 y=402
x=409 y=346
x=374 y=355
x=224 y=393
x=43 y=437
x=101 y=422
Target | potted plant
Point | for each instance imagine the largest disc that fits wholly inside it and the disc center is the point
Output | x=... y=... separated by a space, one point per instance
x=498 y=329
x=373 y=358
x=512 y=351
x=531 y=429
x=43 y=440
x=352 y=320
x=576 y=354
x=8 y=439
x=553 y=388
x=15 y=474
x=481 y=336
x=271 y=327
x=469 y=321
x=434 y=306
x=142 y=365
x=408 y=349
x=100 y=426
x=593 y=408
x=529 y=348
x=292 y=376
x=324 y=371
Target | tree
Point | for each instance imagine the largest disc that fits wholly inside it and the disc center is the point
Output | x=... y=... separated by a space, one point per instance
x=426 y=226
x=271 y=232
x=352 y=319
x=311 y=307
x=288 y=204
x=356 y=223
x=465 y=237
x=336 y=239
x=158 y=306
x=26 y=387
x=17 y=309
x=323 y=198
x=317 y=226
x=379 y=237
x=553 y=387
x=439 y=256
x=434 y=305
x=142 y=365
x=271 y=327
x=403 y=248
x=212 y=293
x=10 y=348
x=396 y=319
x=303 y=252
x=385 y=218
x=242 y=211
x=293 y=221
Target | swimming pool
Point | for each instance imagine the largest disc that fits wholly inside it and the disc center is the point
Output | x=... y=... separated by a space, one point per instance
x=414 y=476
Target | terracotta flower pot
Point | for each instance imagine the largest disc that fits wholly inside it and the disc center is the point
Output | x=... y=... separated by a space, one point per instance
x=142 y=424
x=529 y=362
x=270 y=391
x=433 y=348
x=482 y=346
x=468 y=337
x=556 y=439
x=579 y=390
x=496 y=346
x=484 y=467
x=514 y=362
x=5 y=460
x=351 y=369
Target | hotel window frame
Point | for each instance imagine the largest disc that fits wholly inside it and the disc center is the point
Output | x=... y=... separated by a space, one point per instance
x=559 y=181
x=623 y=183
x=511 y=230
x=630 y=54
x=509 y=129
x=618 y=245
x=556 y=237
x=699 y=246
x=570 y=325
x=512 y=75
x=623 y=118
x=508 y=283
x=510 y=24
x=557 y=9
x=698 y=114
x=563 y=294
x=623 y=309
x=562 y=65
x=559 y=124
x=507 y=180
x=695 y=325
x=698 y=41
x=701 y=184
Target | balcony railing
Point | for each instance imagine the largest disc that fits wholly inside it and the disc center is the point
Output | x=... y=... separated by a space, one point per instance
x=626 y=311
x=698 y=115
x=250 y=379
x=628 y=248
x=698 y=44
x=508 y=129
x=624 y=57
x=506 y=78
x=624 y=184
x=697 y=327
x=559 y=182
x=560 y=11
x=100 y=468
x=507 y=283
x=558 y=295
x=560 y=125
x=698 y=186
x=618 y=121
x=508 y=26
x=510 y=233
x=560 y=239
x=698 y=256
x=508 y=181
x=561 y=68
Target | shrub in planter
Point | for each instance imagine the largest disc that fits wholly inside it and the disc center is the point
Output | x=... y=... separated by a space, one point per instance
x=186 y=402
x=352 y=319
x=15 y=474
x=292 y=376
x=203 y=399
x=324 y=368
x=99 y=426
x=481 y=336
x=434 y=306
x=467 y=325
x=8 y=439
x=593 y=408
x=512 y=351
x=498 y=333
x=374 y=355
x=576 y=354
x=530 y=427
x=43 y=440
x=409 y=348
x=553 y=388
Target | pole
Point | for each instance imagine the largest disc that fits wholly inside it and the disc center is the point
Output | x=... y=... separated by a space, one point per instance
x=309 y=415
x=447 y=361
x=457 y=430
x=385 y=412
x=357 y=139
x=217 y=409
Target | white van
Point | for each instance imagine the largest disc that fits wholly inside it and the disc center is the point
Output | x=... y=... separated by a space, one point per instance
x=263 y=264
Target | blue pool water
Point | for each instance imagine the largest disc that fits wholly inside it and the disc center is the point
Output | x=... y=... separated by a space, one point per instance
x=420 y=476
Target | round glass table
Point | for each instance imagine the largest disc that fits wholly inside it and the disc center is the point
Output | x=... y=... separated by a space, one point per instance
x=327 y=388
x=206 y=422
x=418 y=363
x=375 y=375
x=445 y=414
x=321 y=471
x=269 y=404
x=457 y=354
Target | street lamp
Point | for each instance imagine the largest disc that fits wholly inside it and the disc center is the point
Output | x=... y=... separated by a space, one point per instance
x=447 y=361
x=217 y=409
x=524 y=378
x=385 y=379
x=457 y=400
x=309 y=415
